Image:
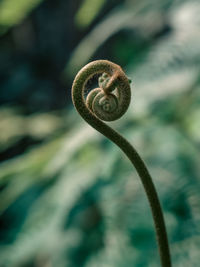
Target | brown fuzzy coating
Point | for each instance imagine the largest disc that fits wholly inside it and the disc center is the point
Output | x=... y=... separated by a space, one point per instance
x=119 y=79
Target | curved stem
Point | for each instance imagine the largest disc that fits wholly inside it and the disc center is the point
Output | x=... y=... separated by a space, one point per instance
x=149 y=187
x=125 y=146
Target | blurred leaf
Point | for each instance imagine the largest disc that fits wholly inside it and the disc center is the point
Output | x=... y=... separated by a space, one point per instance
x=87 y=12
x=115 y=21
x=13 y=12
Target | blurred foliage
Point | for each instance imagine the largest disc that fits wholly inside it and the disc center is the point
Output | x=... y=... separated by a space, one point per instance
x=13 y=12
x=87 y=12
x=68 y=196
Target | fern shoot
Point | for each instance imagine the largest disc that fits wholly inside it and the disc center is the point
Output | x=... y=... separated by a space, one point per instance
x=109 y=102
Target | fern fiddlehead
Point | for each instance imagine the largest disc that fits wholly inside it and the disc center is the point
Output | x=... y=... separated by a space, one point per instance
x=109 y=102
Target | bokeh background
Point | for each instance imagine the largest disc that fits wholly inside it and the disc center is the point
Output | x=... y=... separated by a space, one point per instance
x=68 y=196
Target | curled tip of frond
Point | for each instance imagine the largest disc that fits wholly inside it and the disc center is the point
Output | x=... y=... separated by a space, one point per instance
x=111 y=99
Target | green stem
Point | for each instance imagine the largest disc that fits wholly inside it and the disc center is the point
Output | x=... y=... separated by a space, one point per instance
x=91 y=118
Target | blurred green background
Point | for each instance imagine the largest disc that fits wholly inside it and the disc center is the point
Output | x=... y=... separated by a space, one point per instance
x=68 y=196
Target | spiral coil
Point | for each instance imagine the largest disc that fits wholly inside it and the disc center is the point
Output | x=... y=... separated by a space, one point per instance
x=111 y=99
